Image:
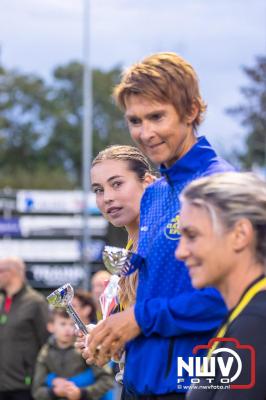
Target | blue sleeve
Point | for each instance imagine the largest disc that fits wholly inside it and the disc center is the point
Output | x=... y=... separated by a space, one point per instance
x=191 y=312
x=83 y=379
x=49 y=379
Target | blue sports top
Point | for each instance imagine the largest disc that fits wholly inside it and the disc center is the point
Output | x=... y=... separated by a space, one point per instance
x=173 y=316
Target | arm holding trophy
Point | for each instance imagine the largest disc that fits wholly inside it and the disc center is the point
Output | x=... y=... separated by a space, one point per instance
x=120 y=262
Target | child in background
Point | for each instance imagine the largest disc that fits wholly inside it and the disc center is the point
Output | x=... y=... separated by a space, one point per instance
x=85 y=305
x=61 y=372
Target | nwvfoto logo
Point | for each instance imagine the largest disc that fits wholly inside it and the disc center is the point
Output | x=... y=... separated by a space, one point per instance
x=229 y=366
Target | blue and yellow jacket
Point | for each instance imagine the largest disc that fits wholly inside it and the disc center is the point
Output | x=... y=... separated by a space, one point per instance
x=173 y=316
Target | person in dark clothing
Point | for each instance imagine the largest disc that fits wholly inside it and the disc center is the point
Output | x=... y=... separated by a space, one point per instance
x=23 y=320
x=223 y=243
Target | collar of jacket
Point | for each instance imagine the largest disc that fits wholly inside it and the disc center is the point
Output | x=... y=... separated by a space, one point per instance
x=18 y=293
x=196 y=159
x=53 y=343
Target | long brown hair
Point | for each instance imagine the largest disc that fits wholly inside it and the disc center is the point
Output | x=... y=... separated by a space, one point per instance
x=138 y=163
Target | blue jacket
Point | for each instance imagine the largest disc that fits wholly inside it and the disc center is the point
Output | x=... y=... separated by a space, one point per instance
x=173 y=316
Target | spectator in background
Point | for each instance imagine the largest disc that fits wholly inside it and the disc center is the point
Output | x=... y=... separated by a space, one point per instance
x=61 y=372
x=98 y=283
x=85 y=306
x=23 y=319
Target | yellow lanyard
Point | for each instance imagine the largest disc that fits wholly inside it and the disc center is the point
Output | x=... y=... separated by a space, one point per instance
x=128 y=247
x=239 y=308
x=129 y=244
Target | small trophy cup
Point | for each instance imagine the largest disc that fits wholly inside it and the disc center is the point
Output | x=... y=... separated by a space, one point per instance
x=108 y=299
x=62 y=297
x=120 y=261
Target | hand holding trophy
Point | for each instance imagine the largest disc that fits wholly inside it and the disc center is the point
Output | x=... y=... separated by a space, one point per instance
x=119 y=262
x=62 y=297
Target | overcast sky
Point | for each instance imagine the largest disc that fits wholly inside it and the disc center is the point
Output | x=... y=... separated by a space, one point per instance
x=216 y=36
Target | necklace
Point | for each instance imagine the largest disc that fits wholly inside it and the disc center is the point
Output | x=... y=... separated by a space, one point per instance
x=132 y=243
x=129 y=244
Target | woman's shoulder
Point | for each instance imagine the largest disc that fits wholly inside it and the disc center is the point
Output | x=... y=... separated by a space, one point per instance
x=156 y=186
x=218 y=165
x=256 y=307
x=250 y=325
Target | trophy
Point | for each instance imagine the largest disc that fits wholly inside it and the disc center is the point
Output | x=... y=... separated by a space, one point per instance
x=120 y=261
x=62 y=297
x=117 y=262
x=108 y=299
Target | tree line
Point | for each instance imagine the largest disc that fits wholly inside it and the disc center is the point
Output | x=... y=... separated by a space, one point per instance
x=41 y=123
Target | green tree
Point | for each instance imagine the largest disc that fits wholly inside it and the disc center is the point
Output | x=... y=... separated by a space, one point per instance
x=21 y=105
x=25 y=125
x=41 y=125
x=64 y=145
x=253 y=115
